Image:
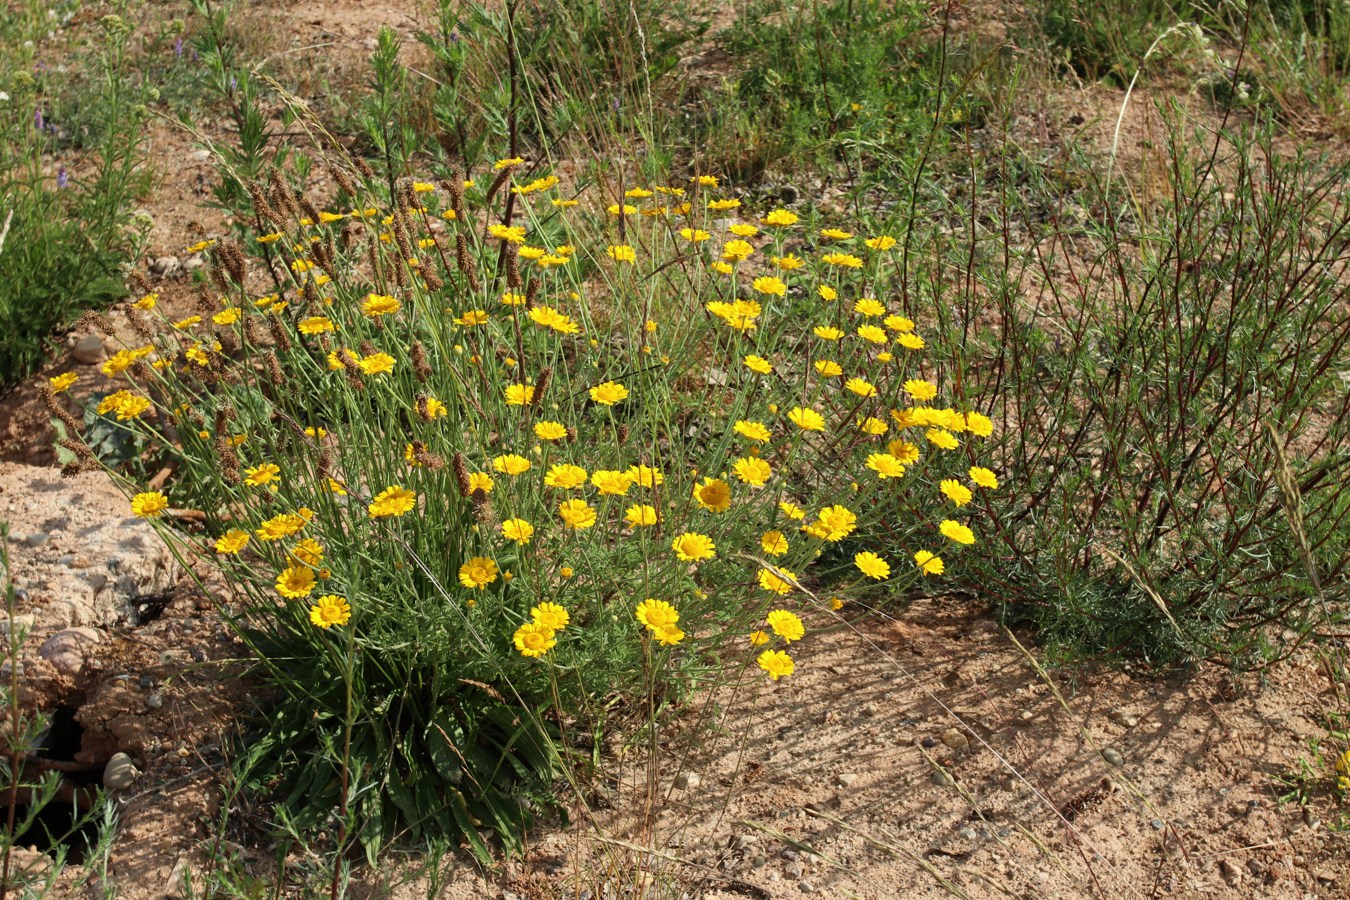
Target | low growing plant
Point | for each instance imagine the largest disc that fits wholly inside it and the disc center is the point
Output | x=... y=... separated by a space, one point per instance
x=485 y=484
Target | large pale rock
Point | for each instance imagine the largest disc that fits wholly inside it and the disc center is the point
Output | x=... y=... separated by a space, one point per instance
x=98 y=559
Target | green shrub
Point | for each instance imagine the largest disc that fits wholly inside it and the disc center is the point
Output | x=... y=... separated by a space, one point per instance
x=1137 y=359
x=65 y=210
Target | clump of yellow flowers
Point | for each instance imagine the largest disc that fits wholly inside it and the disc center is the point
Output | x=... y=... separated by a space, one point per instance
x=511 y=440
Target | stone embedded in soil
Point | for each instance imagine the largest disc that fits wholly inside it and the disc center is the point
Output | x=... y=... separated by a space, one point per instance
x=955 y=739
x=82 y=517
x=88 y=350
x=165 y=266
x=1113 y=756
x=120 y=773
x=687 y=781
x=65 y=649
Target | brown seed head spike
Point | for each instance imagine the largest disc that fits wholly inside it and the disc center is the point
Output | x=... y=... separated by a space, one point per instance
x=623 y=433
x=401 y=274
x=218 y=279
x=512 y=267
x=364 y=168
x=274 y=373
x=482 y=509
x=56 y=409
x=96 y=321
x=282 y=195
x=352 y=370
x=455 y=188
x=142 y=283
x=232 y=258
x=311 y=211
x=260 y=204
x=421 y=368
x=140 y=323
x=229 y=460
x=433 y=280
x=531 y=292
x=461 y=469
x=343 y=180
x=283 y=340
x=541 y=385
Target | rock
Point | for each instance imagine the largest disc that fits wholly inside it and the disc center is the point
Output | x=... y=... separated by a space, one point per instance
x=126 y=558
x=1228 y=871
x=1026 y=715
x=1157 y=824
x=743 y=841
x=955 y=739
x=1121 y=717
x=687 y=781
x=794 y=870
x=22 y=624
x=200 y=155
x=154 y=701
x=1113 y=756
x=806 y=887
x=869 y=710
x=941 y=779
x=37 y=539
x=65 y=649
x=1327 y=876
x=847 y=779
x=759 y=862
x=176 y=886
x=120 y=773
x=967 y=833
x=89 y=350
x=165 y=266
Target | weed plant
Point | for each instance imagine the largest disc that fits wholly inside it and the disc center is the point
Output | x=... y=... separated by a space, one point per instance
x=1140 y=356
x=66 y=222
x=485 y=484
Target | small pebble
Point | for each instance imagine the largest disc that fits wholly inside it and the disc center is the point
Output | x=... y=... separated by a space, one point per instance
x=1113 y=756
x=955 y=739
x=37 y=539
x=120 y=773
x=941 y=779
x=794 y=870
x=1157 y=824
x=967 y=833
x=154 y=701
x=790 y=854
x=847 y=779
x=687 y=781
x=806 y=887
x=89 y=350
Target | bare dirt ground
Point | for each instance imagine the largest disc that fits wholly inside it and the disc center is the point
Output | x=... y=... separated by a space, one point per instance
x=925 y=756
x=910 y=757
